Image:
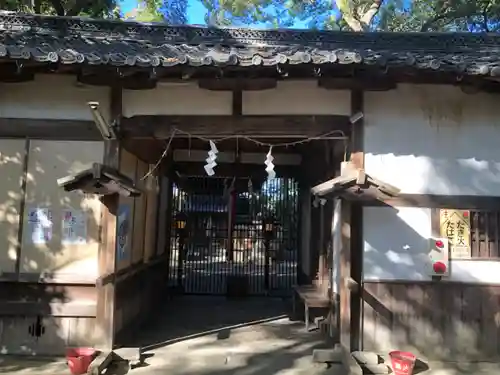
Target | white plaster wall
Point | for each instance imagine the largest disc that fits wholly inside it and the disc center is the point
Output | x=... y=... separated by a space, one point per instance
x=297 y=98
x=176 y=99
x=427 y=140
x=434 y=140
x=61 y=97
x=51 y=97
x=396 y=246
x=289 y=98
x=48 y=161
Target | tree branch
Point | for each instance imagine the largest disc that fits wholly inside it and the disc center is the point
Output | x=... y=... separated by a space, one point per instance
x=370 y=14
x=446 y=12
x=57 y=4
x=431 y=21
x=37 y=6
x=485 y=17
x=353 y=23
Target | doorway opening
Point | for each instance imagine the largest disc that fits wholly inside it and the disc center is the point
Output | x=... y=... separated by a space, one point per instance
x=226 y=236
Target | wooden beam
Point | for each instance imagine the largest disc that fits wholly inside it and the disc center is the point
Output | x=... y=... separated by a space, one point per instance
x=471 y=202
x=51 y=278
x=234 y=170
x=330 y=186
x=161 y=127
x=355 y=184
x=194 y=155
x=22 y=206
x=221 y=126
x=54 y=309
x=373 y=83
x=357 y=132
x=130 y=79
x=238 y=84
x=21 y=298
x=80 y=130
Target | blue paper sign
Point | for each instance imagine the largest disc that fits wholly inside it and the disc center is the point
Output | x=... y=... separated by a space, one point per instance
x=122 y=232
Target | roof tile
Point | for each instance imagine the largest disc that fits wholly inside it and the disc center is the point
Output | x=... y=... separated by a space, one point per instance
x=119 y=43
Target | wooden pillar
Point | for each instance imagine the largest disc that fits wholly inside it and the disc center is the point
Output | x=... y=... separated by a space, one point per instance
x=352 y=244
x=107 y=247
x=168 y=222
x=231 y=217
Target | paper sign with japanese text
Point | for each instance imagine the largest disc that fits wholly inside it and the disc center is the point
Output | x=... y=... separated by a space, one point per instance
x=455 y=225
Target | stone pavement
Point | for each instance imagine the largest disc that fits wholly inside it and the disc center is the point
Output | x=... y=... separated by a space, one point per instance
x=209 y=336
x=274 y=347
x=216 y=337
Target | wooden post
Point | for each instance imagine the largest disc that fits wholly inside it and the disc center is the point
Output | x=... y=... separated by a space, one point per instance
x=107 y=247
x=352 y=243
x=168 y=222
x=345 y=274
x=231 y=217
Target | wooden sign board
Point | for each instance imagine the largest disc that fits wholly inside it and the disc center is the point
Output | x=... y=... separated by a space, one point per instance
x=455 y=225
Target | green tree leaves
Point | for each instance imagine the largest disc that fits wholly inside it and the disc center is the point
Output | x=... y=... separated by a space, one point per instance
x=356 y=15
x=70 y=8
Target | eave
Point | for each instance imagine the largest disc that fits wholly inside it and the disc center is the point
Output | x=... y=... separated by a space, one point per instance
x=355 y=184
x=152 y=51
x=101 y=180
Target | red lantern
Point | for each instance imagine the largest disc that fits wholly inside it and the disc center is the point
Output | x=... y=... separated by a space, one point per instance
x=439 y=244
x=439 y=267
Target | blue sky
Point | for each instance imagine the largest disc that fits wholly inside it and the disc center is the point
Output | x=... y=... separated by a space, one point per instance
x=196 y=12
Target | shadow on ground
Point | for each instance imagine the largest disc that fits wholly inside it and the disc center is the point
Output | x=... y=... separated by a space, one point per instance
x=214 y=335
x=189 y=317
x=32 y=366
x=200 y=335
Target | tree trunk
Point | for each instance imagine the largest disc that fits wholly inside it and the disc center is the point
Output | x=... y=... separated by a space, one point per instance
x=355 y=21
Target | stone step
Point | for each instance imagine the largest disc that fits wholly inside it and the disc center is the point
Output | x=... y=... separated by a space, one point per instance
x=378 y=369
x=364 y=358
x=333 y=355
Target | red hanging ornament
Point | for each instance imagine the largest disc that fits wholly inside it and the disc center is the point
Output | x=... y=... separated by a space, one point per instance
x=439 y=267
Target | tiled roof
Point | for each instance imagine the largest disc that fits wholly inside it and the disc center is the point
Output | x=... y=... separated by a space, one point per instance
x=124 y=43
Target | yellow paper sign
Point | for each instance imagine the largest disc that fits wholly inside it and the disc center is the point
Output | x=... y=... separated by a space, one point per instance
x=455 y=225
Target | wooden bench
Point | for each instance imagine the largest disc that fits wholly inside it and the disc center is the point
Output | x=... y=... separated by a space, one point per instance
x=312 y=297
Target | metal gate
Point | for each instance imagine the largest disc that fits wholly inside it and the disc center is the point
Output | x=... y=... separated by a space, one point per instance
x=219 y=234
